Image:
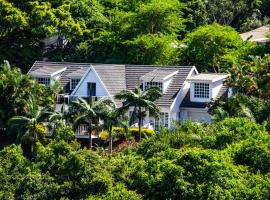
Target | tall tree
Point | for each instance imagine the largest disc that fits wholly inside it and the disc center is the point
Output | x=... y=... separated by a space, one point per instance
x=89 y=114
x=241 y=14
x=138 y=32
x=29 y=129
x=23 y=24
x=208 y=46
x=16 y=90
x=111 y=116
x=141 y=102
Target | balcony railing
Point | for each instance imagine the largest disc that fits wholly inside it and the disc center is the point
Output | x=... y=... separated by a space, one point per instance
x=82 y=130
x=62 y=98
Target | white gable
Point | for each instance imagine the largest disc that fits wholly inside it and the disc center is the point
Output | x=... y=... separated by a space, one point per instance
x=90 y=76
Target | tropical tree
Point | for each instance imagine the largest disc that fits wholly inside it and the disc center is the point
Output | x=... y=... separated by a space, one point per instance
x=23 y=26
x=16 y=90
x=63 y=115
x=241 y=105
x=88 y=113
x=111 y=117
x=29 y=129
x=208 y=46
x=141 y=102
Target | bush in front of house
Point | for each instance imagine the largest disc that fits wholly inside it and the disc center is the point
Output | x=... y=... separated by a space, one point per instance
x=121 y=134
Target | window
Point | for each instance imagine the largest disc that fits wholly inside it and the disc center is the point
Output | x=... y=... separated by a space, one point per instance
x=74 y=83
x=148 y=85
x=201 y=90
x=91 y=89
x=163 y=121
x=43 y=80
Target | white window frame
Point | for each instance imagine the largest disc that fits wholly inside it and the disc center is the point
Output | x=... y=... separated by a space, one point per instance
x=43 y=80
x=162 y=121
x=201 y=91
x=71 y=86
x=148 y=85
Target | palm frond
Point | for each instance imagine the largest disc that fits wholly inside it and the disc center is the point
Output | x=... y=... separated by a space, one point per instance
x=152 y=94
x=80 y=104
x=246 y=112
x=81 y=119
x=18 y=121
x=126 y=95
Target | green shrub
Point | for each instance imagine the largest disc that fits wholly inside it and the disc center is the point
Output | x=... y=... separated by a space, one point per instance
x=121 y=134
x=146 y=132
x=118 y=134
x=229 y=131
x=119 y=192
x=254 y=153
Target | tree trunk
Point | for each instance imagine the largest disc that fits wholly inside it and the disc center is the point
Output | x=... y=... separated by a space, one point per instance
x=110 y=141
x=90 y=134
x=140 y=125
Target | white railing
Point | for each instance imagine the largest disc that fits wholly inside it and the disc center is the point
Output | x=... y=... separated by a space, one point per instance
x=62 y=98
x=82 y=130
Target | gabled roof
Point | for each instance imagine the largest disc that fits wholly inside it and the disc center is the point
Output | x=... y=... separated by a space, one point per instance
x=209 y=77
x=120 y=77
x=47 y=70
x=71 y=68
x=113 y=77
x=158 y=75
x=257 y=35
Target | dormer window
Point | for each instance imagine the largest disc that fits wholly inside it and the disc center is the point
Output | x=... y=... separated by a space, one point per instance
x=74 y=83
x=43 y=80
x=148 y=85
x=201 y=90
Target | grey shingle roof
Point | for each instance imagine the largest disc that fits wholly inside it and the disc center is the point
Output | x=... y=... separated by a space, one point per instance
x=134 y=72
x=46 y=70
x=113 y=77
x=208 y=77
x=158 y=74
x=120 y=77
x=174 y=87
x=71 y=68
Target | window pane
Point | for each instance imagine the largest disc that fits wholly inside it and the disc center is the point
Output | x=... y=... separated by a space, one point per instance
x=201 y=90
x=43 y=80
x=74 y=83
x=148 y=85
x=91 y=89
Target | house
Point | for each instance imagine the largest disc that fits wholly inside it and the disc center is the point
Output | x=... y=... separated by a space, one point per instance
x=185 y=92
x=259 y=35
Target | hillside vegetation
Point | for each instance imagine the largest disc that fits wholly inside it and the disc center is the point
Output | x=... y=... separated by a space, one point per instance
x=228 y=160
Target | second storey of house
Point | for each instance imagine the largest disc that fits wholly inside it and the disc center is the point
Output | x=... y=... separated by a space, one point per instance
x=184 y=91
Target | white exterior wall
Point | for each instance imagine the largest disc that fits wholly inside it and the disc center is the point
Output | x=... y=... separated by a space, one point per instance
x=195 y=114
x=166 y=84
x=193 y=99
x=175 y=107
x=216 y=88
x=81 y=89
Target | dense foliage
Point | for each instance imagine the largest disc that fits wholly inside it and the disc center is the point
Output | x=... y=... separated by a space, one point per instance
x=16 y=91
x=227 y=160
x=124 y=31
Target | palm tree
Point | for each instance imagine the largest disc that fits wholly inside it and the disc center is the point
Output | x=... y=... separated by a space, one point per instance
x=55 y=116
x=87 y=113
x=111 y=117
x=141 y=101
x=27 y=126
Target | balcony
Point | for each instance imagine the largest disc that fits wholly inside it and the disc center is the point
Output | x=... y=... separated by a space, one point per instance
x=62 y=98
